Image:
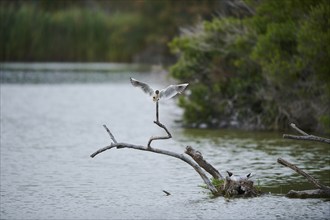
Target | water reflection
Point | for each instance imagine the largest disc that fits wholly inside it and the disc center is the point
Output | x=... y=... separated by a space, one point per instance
x=48 y=132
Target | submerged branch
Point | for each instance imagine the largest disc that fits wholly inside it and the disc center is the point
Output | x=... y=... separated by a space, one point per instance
x=301 y=172
x=313 y=193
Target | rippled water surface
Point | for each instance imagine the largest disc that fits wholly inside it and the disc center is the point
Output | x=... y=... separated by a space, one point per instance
x=50 y=126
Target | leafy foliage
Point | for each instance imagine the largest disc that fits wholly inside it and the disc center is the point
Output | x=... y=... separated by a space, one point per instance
x=258 y=72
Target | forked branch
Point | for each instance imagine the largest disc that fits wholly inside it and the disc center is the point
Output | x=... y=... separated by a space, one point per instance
x=322 y=191
x=182 y=157
x=159 y=137
x=305 y=136
x=157 y=122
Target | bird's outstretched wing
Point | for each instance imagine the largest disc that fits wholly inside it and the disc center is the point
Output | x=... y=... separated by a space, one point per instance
x=145 y=87
x=172 y=90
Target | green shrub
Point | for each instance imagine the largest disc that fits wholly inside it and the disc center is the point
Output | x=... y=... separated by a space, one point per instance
x=258 y=72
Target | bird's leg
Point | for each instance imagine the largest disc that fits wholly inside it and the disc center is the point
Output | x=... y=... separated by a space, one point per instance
x=157 y=115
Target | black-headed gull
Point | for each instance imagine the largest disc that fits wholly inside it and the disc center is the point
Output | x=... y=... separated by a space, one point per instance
x=238 y=178
x=166 y=93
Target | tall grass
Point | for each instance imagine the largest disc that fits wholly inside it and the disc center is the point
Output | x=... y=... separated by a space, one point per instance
x=74 y=34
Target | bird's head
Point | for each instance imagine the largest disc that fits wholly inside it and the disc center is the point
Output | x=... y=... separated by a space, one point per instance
x=155 y=97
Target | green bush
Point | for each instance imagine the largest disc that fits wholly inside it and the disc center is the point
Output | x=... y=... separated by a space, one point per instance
x=258 y=72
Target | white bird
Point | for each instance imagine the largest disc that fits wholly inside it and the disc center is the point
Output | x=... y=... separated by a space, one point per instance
x=238 y=178
x=166 y=93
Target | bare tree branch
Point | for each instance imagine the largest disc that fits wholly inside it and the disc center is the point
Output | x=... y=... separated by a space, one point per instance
x=322 y=191
x=198 y=157
x=165 y=152
x=305 y=136
x=101 y=150
x=298 y=129
x=111 y=135
x=198 y=164
x=301 y=172
x=312 y=193
x=159 y=137
x=157 y=122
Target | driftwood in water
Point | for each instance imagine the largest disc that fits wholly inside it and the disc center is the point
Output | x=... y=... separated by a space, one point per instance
x=222 y=186
x=182 y=157
x=198 y=157
x=312 y=193
x=229 y=187
x=322 y=191
x=305 y=136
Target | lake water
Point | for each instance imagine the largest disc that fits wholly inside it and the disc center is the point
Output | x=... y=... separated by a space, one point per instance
x=51 y=121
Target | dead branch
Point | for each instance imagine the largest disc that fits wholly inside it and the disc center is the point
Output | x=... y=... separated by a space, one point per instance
x=305 y=136
x=198 y=157
x=301 y=172
x=239 y=187
x=298 y=129
x=157 y=122
x=313 y=193
x=101 y=150
x=167 y=193
x=322 y=191
x=110 y=134
x=182 y=157
x=159 y=137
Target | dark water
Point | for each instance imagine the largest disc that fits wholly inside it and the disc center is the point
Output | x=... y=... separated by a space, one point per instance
x=50 y=126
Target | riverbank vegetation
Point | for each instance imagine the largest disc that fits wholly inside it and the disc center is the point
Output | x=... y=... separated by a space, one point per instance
x=258 y=69
x=250 y=64
x=95 y=31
